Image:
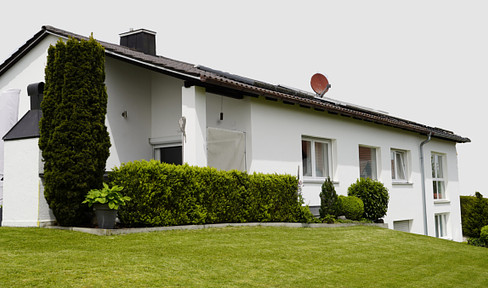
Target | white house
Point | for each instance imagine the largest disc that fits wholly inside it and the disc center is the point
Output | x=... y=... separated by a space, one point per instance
x=164 y=109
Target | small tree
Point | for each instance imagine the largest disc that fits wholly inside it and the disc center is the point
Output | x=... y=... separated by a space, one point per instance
x=374 y=195
x=328 y=199
x=73 y=136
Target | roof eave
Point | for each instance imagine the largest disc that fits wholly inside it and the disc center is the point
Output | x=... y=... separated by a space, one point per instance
x=23 y=50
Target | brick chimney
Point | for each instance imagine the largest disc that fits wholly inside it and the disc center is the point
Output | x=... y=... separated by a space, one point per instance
x=141 y=40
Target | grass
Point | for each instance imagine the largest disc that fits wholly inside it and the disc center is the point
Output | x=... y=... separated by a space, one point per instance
x=238 y=257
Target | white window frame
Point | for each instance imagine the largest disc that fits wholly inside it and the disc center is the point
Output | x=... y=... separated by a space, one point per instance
x=438 y=181
x=395 y=173
x=328 y=164
x=374 y=160
x=441 y=222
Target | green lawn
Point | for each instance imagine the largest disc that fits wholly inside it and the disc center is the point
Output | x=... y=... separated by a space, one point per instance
x=238 y=257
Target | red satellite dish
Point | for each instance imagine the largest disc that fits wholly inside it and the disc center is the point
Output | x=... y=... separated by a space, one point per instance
x=319 y=84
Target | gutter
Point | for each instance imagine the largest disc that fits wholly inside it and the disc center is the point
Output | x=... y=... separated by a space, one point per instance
x=422 y=175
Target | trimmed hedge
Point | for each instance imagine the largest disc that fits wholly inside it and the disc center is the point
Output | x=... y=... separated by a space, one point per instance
x=474 y=214
x=166 y=194
x=351 y=206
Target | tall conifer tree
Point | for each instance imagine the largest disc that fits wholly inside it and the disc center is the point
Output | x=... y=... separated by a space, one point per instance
x=74 y=139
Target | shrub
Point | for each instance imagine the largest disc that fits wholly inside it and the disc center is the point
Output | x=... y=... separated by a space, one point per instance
x=474 y=213
x=110 y=196
x=329 y=219
x=484 y=235
x=476 y=242
x=328 y=199
x=374 y=196
x=73 y=136
x=164 y=194
x=351 y=206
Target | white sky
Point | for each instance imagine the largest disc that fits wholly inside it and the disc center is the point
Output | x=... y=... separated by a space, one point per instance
x=422 y=60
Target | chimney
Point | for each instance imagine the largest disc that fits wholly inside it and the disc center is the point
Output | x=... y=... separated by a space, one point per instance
x=141 y=40
x=35 y=91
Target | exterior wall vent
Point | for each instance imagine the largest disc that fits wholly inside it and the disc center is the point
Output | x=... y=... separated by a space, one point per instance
x=141 y=40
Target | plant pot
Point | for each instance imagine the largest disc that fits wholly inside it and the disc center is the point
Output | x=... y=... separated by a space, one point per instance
x=105 y=216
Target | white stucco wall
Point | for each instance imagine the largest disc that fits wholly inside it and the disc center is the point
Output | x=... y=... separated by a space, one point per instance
x=29 y=69
x=128 y=89
x=24 y=204
x=277 y=130
x=194 y=109
x=165 y=106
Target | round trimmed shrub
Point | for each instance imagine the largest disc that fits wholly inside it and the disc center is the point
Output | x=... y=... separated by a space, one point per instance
x=374 y=196
x=351 y=206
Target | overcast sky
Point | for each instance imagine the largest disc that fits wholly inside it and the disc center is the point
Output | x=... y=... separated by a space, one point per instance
x=422 y=60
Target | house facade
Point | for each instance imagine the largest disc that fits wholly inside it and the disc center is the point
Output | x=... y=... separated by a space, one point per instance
x=176 y=112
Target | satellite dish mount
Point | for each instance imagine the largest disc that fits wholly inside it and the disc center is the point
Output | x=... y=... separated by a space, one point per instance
x=320 y=84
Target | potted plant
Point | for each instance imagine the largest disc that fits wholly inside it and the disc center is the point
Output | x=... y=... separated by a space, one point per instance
x=106 y=201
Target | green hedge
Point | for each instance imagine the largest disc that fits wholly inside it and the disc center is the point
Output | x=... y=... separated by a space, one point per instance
x=165 y=194
x=474 y=214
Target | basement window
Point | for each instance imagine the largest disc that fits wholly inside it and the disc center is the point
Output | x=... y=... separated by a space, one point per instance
x=402 y=225
x=441 y=225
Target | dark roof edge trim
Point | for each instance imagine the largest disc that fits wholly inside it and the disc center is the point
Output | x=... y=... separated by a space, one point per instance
x=22 y=138
x=24 y=49
x=145 y=63
x=346 y=111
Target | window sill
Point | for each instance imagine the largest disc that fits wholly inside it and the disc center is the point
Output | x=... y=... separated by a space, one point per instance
x=401 y=183
x=317 y=181
x=442 y=201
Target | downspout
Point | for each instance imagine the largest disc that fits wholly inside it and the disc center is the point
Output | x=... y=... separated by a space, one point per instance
x=422 y=175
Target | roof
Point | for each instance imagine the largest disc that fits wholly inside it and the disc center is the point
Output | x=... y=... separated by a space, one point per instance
x=26 y=127
x=238 y=86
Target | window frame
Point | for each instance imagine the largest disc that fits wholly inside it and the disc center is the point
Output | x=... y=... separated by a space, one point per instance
x=374 y=160
x=438 y=182
x=441 y=221
x=394 y=166
x=313 y=164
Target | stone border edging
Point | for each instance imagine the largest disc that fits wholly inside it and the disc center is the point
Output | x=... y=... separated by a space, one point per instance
x=122 y=231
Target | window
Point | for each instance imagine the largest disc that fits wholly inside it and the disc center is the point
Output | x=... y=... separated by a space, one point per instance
x=169 y=154
x=438 y=176
x=316 y=158
x=398 y=166
x=441 y=225
x=402 y=225
x=367 y=162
